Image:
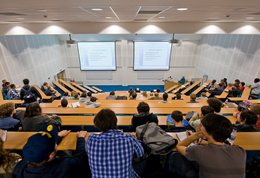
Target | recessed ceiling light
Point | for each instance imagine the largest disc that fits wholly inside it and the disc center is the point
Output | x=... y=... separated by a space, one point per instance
x=97 y=9
x=182 y=9
x=161 y=17
x=108 y=17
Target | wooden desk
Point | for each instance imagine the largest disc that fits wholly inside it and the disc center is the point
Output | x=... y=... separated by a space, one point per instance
x=77 y=111
x=16 y=140
x=191 y=87
x=43 y=95
x=96 y=88
x=1 y=96
x=201 y=88
x=245 y=95
x=90 y=89
x=171 y=88
x=255 y=101
x=78 y=86
x=69 y=86
x=223 y=95
x=12 y=101
x=61 y=87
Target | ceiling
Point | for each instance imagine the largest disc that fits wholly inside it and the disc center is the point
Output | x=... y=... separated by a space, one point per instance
x=30 y=11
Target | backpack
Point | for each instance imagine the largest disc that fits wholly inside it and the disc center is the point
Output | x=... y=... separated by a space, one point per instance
x=156 y=140
x=29 y=96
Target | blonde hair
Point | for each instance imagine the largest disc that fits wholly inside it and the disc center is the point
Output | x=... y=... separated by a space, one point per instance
x=6 y=109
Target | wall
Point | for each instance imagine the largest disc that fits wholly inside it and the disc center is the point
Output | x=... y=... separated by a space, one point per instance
x=35 y=57
x=182 y=61
x=229 y=56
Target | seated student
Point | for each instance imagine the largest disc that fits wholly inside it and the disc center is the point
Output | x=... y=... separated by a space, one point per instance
x=48 y=90
x=130 y=91
x=247 y=122
x=215 y=159
x=177 y=97
x=192 y=98
x=110 y=153
x=28 y=93
x=6 y=89
x=133 y=96
x=8 y=160
x=196 y=118
x=92 y=103
x=203 y=96
x=143 y=116
x=66 y=96
x=255 y=89
x=111 y=96
x=242 y=86
x=156 y=97
x=64 y=103
x=245 y=105
x=256 y=109
x=165 y=98
x=83 y=97
x=74 y=95
x=7 y=122
x=211 y=86
x=235 y=89
x=217 y=90
x=39 y=157
x=216 y=104
x=33 y=118
x=179 y=124
x=13 y=93
x=3 y=83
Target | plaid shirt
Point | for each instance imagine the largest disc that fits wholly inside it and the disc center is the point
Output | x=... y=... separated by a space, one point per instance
x=110 y=154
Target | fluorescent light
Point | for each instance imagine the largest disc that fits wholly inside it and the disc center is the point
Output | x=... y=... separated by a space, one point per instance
x=108 y=17
x=161 y=17
x=182 y=9
x=97 y=9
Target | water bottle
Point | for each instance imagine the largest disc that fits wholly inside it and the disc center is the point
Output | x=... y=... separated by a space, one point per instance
x=233 y=136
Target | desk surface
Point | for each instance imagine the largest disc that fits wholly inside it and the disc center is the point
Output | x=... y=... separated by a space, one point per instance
x=69 y=86
x=245 y=95
x=16 y=140
x=43 y=95
x=191 y=86
x=12 y=101
x=61 y=87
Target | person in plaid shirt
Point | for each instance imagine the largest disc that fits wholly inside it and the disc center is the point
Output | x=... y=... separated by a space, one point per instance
x=110 y=153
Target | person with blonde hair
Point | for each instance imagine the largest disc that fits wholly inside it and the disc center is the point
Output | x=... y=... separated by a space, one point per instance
x=7 y=122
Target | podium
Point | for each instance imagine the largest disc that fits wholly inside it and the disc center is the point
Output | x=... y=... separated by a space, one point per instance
x=169 y=84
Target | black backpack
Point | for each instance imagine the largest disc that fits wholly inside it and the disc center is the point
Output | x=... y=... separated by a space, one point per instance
x=29 y=96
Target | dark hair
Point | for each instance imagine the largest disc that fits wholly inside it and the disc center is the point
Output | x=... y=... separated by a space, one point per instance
x=12 y=85
x=178 y=96
x=143 y=107
x=256 y=80
x=64 y=102
x=133 y=95
x=6 y=109
x=66 y=94
x=242 y=83
x=83 y=94
x=112 y=93
x=213 y=81
x=158 y=90
x=177 y=116
x=89 y=94
x=206 y=110
x=215 y=103
x=7 y=83
x=93 y=99
x=105 y=120
x=45 y=83
x=249 y=117
x=26 y=81
x=33 y=109
x=255 y=108
x=237 y=81
x=165 y=96
x=217 y=126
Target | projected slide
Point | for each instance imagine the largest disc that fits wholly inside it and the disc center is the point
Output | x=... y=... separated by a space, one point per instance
x=97 y=55
x=152 y=55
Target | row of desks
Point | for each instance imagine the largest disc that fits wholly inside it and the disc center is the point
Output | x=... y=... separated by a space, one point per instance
x=16 y=140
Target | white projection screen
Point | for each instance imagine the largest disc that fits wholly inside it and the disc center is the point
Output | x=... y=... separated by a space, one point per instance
x=152 y=55
x=97 y=55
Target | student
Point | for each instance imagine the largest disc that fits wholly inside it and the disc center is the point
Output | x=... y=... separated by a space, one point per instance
x=133 y=96
x=193 y=98
x=179 y=124
x=39 y=157
x=3 y=83
x=64 y=103
x=143 y=116
x=211 y=85
x=92 y=103
x=48 y=90
x=165 y=98
x=242 y=86
x=156 y=97
x=256 y=109
x=33 y=118
x=83 y=97
x=247 y=122
x=6 y=89
x=235 y=89
x=255 y=89
x=7 y=122
x=28 y=93
x=111 y=96
x=203 y=96
x=74 y=95
x=65 y=96
x=215 y=159
x=216 y=104
x=110 y=153
x=196 y=118
x=177 y=96
x=217 y=90
x=12 y=93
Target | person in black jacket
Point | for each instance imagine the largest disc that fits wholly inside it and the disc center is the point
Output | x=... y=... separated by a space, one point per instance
x=29 y=93
x=143 y=116
x=247 y=122
x=40 y=160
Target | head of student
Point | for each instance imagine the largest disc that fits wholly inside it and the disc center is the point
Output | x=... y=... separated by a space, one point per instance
x=192 y=97
x=89 y=94
x=12 y=86
x=215 y=103
x=133 y=95
x=64 y=103
x=6 y=109
x=41 y=147
x=216 y=127
x=33 y=109
x=26 y=81
x=206 y=110
x=165 y=96
x=143 y=108
x=112 y=93
x=105 y=120
x=247 y=117
x=177 y=116
x=178 y=96
x=256 y=80
x=256 y=109
x=83 y=94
